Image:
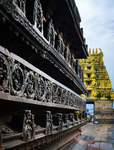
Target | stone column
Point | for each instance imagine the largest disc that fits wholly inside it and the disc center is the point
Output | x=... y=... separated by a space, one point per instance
x=77 y=67
x=76 y=117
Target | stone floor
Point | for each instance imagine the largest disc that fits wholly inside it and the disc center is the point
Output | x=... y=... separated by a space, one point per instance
x=102 y=134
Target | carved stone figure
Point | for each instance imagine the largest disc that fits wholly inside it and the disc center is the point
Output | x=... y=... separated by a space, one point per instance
x=73 y=63
x=75 y=101
x=17 y=80
x=60 y=45
x=63 y=96
x=23 y=121
x=71 y=101
x=54 y=93
x=28 y=126
x=36 y=86
x=30 y=85
x=21 y=4
x=38 y=15
x=41 y=88
x=4 y=73
x=68 y=55
x=77 y=67
x=49 y=123
x=48 y=95
x=67 y=97
x=51 y=33
x=71 y=118
x=59 y=95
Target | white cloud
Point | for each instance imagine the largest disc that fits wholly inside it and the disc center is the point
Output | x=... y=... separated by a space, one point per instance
x=98 y=25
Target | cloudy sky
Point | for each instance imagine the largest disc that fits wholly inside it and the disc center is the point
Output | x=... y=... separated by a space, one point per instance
x=98 y=25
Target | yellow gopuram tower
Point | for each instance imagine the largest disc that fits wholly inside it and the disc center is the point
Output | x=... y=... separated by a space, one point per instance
x=98 y=84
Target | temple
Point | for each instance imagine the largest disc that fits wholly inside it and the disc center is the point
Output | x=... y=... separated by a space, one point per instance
x=97 y=81
x=40 y=76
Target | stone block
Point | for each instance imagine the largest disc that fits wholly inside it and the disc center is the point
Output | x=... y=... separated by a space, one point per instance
x=80 y=145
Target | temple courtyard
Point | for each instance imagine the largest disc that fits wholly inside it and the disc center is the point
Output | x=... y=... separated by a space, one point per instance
x=101 y=135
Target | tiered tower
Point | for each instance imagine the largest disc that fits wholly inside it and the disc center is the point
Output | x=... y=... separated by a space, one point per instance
x=96 y=80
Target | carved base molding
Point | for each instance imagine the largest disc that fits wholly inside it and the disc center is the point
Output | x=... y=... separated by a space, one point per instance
x=25 y=131
x=44 y=140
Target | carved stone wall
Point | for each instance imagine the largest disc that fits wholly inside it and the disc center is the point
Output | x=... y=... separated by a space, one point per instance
x=103 y=104
x=103 y=112
x=37 y=28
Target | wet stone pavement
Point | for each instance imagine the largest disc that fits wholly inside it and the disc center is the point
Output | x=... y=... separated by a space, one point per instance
x=102 y=134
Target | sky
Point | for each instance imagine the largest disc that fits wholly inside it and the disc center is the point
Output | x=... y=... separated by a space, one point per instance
x=98 y=25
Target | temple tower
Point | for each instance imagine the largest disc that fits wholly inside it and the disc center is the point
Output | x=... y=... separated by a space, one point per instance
x=97 y=81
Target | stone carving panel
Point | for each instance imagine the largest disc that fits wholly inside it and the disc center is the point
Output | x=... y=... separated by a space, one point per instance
x=21 y=81
x=51 y=33
x=4 y=73
x=59 y=95
x=60 y=45
x=28 y=126
x=71 y=101
x=38 y=15
x=71 y=118
x=41 y=88
x=23 y=121
x=49 y=123
x=67 y=98
x=64 y=96
x=30 y=85
x=75 y=101
x=48 y=95
x=54 y=92
x=21 y=4
x=17 y=80
x=68 y=55
x=73 y=62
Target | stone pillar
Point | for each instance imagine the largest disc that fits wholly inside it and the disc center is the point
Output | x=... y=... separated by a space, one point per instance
x=77 y=67
x=81 y=116
x=76 y=117
x=84 y=115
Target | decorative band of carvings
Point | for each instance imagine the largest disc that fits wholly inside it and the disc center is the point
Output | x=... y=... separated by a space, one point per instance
x=20 y=78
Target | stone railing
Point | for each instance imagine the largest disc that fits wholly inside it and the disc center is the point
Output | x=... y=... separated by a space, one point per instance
x=19 y=78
